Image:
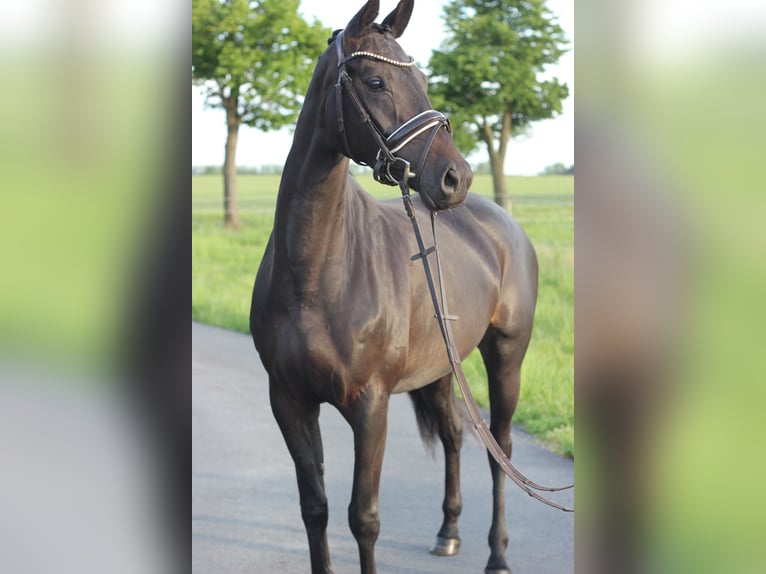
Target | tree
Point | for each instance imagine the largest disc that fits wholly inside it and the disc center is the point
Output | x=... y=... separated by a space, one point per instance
x=485 y=75
x=558 y=168
x=254 y=59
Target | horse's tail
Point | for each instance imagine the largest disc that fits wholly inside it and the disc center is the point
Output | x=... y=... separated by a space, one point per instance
x=426 y=416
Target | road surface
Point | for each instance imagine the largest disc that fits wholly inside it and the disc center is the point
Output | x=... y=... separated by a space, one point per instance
x=245 y=513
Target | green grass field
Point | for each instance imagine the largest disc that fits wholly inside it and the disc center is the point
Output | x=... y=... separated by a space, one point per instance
x=224 y=264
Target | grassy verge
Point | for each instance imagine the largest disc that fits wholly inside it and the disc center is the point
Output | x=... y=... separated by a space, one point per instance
x=224 y=265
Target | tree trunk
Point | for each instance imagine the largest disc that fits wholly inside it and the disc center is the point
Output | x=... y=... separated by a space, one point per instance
x=230 y=207
x=497 y=159
x=498 y=181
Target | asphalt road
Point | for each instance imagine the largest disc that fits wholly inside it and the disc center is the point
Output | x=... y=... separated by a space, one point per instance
x=245 y=514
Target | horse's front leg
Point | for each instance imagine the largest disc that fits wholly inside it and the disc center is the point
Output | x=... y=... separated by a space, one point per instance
x=299 y=423
x=368 y=417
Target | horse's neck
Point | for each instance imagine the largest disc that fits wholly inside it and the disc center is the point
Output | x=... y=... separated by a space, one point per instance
x=310 y=223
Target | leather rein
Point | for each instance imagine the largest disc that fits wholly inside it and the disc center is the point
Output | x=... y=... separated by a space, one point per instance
x=385 y=160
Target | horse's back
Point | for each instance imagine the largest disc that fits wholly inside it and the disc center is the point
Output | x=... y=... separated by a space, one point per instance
x=489 y=266
x=480 y=222
x=480 y=228
x=484 y=228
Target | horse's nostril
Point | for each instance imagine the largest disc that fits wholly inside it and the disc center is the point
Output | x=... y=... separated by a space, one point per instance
x=450 y=181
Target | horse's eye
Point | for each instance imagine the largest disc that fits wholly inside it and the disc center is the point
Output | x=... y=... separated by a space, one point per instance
x=375 y=83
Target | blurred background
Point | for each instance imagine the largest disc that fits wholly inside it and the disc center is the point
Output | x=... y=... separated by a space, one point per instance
x=669 y=286
x=94 y=395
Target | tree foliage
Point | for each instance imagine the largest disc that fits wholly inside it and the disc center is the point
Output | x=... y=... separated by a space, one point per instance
x=257 y=55
x=254 y=60
x=486 y=75
x=558 y=169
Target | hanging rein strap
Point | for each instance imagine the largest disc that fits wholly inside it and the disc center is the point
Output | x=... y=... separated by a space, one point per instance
x=386 y=160
x=443 y=317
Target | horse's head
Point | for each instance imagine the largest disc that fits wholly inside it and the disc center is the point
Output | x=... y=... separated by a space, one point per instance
x=380 y=114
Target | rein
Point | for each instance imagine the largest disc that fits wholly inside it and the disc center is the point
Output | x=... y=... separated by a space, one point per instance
x=443 y=317
x=385 y=160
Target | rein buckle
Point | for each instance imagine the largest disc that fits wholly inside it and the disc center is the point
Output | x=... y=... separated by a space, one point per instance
x=382 y=172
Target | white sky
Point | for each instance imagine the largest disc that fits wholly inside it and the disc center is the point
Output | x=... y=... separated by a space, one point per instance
x=550 y=141
x=684 y=30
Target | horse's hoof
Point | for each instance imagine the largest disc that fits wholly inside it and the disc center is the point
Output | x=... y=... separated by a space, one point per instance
x=445 y=546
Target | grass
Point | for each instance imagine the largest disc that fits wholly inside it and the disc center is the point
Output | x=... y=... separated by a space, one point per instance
x=224 y=264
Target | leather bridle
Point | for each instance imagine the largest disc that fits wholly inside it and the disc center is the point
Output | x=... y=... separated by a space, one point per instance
x=388 y=146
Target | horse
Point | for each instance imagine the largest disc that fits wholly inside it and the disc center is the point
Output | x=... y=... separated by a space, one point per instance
x=341 y=314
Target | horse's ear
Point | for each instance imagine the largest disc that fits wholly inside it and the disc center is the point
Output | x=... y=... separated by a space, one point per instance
x=363 y=19
x=398 y=19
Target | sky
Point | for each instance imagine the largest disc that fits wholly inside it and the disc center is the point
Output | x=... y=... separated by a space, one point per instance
x=549 y=141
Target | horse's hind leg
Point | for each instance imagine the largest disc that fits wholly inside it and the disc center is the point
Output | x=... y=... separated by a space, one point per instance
x=299 y=424
x=437 y=410
x=502 y=356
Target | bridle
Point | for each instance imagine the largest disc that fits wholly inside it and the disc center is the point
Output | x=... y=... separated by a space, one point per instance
x=388 y=146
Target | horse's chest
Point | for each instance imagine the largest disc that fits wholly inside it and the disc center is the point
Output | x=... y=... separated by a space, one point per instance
x=311 y=345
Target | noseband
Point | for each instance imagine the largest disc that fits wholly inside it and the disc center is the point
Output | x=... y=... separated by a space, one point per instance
x=388 y=146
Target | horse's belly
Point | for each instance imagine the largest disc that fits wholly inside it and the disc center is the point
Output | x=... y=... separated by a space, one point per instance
x=423 y=377
x=429 y=362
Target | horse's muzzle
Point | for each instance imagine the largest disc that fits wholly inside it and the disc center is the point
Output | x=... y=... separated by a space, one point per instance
x=455 y=182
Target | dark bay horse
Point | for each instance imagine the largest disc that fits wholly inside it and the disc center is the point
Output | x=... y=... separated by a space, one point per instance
x=341 y=314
